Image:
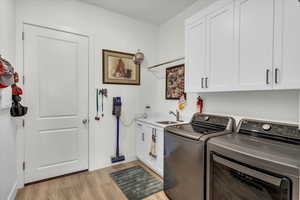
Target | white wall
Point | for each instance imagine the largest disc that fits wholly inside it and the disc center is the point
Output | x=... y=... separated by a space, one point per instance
x=108 y=31
x=8 y=171
x=272 y=105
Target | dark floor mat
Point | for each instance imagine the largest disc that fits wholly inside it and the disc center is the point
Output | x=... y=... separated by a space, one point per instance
x=136 y=183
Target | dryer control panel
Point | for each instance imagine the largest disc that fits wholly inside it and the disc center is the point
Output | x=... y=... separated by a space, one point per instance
x=271 y=130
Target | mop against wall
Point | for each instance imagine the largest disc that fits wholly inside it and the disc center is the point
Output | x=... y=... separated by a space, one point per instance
x=117 y=105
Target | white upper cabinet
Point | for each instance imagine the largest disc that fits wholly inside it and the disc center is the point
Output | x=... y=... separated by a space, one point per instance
x=287 y=45
x=254 y=26
x=244 y=45
x=195 y=56
x=221 y=68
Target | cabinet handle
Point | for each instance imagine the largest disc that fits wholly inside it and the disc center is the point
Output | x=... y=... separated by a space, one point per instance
x=143 y=137
x=276 y=75
x=206 y=80
x=154 y=132
x=267 y=76
x=202 y=83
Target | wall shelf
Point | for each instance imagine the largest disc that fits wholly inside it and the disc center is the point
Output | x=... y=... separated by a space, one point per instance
x=165 y=63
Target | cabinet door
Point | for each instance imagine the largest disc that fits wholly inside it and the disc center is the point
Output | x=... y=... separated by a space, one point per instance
x=222 y=71
x=140 y=141
x=254 y=28
x=155 y=163
x=147 y=146
x=195 y=56
x=287 y=45
x=160 y=151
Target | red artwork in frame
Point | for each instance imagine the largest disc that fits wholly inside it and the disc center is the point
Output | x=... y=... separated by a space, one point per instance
x=175 y=82
x=119 y=68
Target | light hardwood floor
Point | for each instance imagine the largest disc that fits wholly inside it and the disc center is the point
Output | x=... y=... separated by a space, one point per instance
x=96 y=185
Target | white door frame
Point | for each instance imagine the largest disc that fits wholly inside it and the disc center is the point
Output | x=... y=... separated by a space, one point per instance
x=91 y=88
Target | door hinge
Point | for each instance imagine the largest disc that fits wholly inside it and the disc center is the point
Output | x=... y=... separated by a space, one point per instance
x=23 y=123
x=24 y=166
x=23 y=36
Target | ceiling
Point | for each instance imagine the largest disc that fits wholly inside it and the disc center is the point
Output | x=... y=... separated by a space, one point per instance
x=152 y=11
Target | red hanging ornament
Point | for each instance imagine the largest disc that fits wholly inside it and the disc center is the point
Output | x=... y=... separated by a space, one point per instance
x=6 y=73
x=2 y=71
x=16 y=90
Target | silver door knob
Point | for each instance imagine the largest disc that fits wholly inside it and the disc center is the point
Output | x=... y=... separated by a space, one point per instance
x=85 y=121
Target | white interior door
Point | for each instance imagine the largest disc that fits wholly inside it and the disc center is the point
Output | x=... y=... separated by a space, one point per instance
x=56 y=74
x=255 y=21
x=222 y=71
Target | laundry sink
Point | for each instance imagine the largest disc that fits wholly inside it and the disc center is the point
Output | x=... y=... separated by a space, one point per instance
x=167 y=122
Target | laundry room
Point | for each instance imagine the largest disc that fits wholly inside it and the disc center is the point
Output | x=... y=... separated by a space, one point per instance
x=151 y=100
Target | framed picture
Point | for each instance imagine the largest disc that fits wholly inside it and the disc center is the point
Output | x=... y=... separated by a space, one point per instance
x=174 y=82
x=119 y=68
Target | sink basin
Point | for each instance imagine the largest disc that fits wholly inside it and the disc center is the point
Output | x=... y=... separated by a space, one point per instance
x=167 y=122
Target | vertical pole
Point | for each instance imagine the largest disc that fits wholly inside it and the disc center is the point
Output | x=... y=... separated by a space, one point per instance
x=118 y=136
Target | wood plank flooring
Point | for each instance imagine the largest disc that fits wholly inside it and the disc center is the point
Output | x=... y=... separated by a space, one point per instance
x=96 y=185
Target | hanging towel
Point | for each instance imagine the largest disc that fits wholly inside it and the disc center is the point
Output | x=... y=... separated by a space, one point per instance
x=152 y=152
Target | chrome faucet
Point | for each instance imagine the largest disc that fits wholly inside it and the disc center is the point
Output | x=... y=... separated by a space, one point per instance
x=177 y=115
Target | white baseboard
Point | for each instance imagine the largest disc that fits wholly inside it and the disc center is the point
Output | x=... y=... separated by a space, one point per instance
x=13 y=192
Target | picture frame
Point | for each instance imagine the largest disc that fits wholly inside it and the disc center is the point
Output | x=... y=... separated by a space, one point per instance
x=175 y=80
x=119 y=68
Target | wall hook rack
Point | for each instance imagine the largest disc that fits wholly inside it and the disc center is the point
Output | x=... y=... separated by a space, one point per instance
x=103 y=92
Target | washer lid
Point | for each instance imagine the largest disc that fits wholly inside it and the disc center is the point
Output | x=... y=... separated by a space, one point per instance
x=191 y=131
x=202 y=125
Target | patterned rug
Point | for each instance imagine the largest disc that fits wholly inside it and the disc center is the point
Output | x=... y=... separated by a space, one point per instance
x=136 y=183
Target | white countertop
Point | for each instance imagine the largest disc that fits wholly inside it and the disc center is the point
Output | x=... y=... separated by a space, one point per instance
x=152 y=120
